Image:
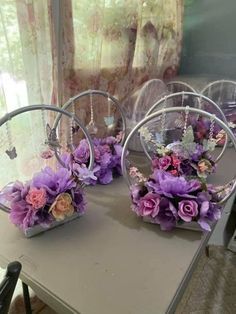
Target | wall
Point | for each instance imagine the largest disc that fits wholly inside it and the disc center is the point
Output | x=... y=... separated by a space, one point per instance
x=209 y=38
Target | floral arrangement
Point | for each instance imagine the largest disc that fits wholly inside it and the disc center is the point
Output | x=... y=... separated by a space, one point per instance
x=176 y=191
x=201 y=129
x=49 y=196
x=107 y=163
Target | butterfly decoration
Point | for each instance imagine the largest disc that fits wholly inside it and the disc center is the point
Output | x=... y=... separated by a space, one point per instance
x=52 y=140
x=11 y=153
x=109 y=121
x=92 y=129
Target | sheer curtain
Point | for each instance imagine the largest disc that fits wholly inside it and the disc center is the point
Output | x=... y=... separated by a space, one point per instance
x=26 y=78
x=116 y=45
x=48 y=56
x=26 y=64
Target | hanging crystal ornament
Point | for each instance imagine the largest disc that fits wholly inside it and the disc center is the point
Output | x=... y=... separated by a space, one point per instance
x=70 y=144
x=91 y=127
x=186 y=119
x=11 y=151
x=45 y=151
x=212 y=125
x=109 y=120
x=74 y=128
x=163 y=122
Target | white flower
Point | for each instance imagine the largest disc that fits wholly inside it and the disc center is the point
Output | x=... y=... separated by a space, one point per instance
x=232 y=125
x=145 y=134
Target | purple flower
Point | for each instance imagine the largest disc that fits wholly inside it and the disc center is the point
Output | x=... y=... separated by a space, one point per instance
x=165 y=162
x=149 y=205
x=78 y=202
x=23 y=214
x=209 y=212
x=188 y=209
x=14 y=192
x=86 y=176
x=186 y=168
x=171 y=186
x=81 y=153
x=155 y=163
x=53 y=182
x=137 y=192
x=197 y=153
x=203 y=196
x=167 y=215
x=105 y=176
x=110 y=140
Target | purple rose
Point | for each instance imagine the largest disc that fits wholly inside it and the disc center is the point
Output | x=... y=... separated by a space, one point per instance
x=81 y=153
x=167 y=215
x=164 y=162
x=149 y=205
x=187 y=210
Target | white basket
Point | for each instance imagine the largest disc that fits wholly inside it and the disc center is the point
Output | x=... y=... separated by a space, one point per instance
x=33 y=231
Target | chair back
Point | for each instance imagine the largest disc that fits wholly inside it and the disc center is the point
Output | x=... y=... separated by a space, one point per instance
x=8 y=285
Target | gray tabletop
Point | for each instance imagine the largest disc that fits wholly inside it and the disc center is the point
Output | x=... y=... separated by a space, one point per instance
x=108 y=261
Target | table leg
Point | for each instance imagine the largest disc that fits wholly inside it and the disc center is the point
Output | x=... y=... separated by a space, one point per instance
x=26 y=298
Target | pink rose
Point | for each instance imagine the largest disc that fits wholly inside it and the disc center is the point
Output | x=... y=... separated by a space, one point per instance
x=164 y=162
x=149 y=205
x=36 y=197
x=187 y=210
x=174 y=172
x=175 y=162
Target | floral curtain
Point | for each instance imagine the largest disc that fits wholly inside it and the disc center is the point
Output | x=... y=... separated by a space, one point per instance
x=116 y=45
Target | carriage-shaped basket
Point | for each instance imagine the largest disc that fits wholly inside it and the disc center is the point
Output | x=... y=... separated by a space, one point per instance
x=54 y=195
x=174 y=191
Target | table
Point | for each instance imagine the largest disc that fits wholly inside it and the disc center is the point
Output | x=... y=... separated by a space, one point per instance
x=108 y=261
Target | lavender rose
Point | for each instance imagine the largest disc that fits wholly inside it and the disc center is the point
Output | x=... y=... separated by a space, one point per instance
x=149 y=205
x=81 y=153
x=187 y=210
